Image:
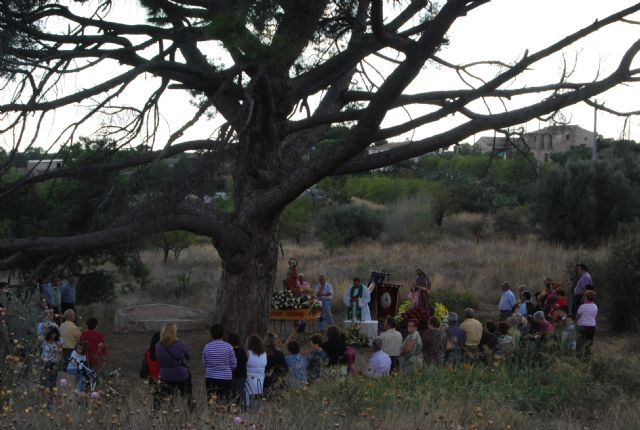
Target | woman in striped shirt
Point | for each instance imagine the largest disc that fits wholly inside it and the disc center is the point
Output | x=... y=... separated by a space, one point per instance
x=219 y=360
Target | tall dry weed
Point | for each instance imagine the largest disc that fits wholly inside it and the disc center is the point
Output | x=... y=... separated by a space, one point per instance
x=453 y=263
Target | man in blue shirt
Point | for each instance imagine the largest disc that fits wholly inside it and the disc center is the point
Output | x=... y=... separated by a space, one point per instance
x=46 y=289
x=324 y=292
x=68 y=295
x=507 y=302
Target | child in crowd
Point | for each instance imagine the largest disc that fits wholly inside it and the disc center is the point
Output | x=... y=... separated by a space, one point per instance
x=50 y=355
x=46 y=324
x=96 y=347
x=505 y=341
x=568 y=334
x=78 y=357
x=297 y=365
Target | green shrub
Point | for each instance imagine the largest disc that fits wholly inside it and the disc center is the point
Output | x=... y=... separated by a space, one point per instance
x=408 y=219
x=455 y=301
x=140 y=272
x=619 y=290
x=345 y=224
x=467 y=225
x=383 y=189
x=584 y=202
x=296 y=219
x=96 y=287
x=512 y=221
x=184 y=280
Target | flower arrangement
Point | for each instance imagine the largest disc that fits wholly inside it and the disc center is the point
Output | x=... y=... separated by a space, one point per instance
x=355 y=338
x=419 y=313
x=402 y=309
x=441 y=312
x=285 y=300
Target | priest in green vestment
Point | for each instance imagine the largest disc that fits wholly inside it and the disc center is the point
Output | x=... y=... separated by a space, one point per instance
x=357 y=299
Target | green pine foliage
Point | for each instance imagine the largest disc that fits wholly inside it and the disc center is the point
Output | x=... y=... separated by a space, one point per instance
x=620 y=287
x=345 y=224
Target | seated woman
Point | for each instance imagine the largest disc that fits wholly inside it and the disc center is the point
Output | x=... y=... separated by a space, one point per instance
x=336 y=347
x=239 y=374
x=297 y=365
x=256 y=364
x=173 y=356
x=317 y=359
x=151 y=371
x=276 y=369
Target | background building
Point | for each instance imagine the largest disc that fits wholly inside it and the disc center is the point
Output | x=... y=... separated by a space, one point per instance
x=554 y=139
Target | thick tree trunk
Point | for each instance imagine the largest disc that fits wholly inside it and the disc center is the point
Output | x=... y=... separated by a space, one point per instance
x=249 y=272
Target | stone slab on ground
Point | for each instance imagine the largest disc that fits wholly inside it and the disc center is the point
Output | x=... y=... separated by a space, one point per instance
x=151 y=317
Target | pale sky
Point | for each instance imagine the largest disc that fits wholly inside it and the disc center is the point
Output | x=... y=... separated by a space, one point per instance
x=501 y=30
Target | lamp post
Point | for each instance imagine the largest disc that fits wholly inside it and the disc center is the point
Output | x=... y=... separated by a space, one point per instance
x=594 y=147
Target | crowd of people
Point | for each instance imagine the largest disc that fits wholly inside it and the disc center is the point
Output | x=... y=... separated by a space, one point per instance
x=245 y=371
x=245 y=374
x=66 y=348
x=63 y=346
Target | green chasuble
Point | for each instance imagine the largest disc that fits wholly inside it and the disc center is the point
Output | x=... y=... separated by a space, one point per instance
x=356 y=292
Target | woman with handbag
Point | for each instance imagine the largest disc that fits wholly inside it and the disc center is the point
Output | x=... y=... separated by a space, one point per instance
x=256 y=364
x=173 y=356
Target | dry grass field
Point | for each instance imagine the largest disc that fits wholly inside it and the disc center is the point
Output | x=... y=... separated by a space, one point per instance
x=453 y=263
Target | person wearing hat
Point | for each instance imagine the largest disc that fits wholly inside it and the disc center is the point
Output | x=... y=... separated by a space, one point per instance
x=455 y=339
x=473 y=333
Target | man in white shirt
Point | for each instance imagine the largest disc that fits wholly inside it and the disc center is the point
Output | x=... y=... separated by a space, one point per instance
x=324 y=292
x=391 y=341
x=379 y=363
